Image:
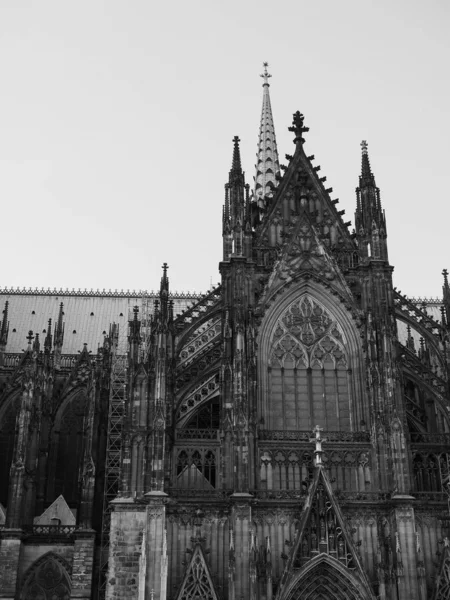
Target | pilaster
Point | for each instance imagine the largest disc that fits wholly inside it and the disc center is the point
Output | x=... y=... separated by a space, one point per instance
x=155 y=548
x=241 y=520
x=405 y=548
x=83 y=563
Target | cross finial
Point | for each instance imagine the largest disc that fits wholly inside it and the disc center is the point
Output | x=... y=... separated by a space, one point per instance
x=318 y=439
x=266 y=74
x=364 y=147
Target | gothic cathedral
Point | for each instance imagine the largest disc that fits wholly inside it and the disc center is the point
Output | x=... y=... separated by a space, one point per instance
x=285 y=436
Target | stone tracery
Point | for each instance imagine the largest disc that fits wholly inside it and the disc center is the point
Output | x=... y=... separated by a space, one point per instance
x=308 y=369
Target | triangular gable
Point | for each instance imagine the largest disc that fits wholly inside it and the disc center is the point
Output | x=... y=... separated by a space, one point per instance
x=197 y=581
x=81 y=372
x=191 y=476
x=304 y=252
x=301 y=184
x=443 y=579
x=59 y=510
x=322 y=533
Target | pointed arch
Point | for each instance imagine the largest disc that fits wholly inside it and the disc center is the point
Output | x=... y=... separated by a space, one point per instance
x=325 y=577
x=47 y=579
x=66 y=447
x=310 y=365
x=8 y=418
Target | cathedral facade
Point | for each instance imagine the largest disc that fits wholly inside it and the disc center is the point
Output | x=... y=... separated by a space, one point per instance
x=285 y=436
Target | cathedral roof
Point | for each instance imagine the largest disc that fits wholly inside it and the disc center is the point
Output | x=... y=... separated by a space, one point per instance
x=87 y=316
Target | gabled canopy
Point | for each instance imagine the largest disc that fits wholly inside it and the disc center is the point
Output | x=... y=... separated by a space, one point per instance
x=323 y=560
x=197 y=582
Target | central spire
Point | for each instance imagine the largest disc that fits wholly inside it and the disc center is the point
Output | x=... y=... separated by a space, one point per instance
x=268 y=165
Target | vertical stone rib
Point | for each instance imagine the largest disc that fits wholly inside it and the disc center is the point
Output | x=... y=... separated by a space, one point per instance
x=267 y=165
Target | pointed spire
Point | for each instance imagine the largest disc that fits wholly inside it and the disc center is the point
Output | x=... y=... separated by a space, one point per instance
x=236 y=214
x=59 y=336
x=5 y=328
x=48 y=338
x=36 y=344
x=134 y=338
x=370 y=220
x=236 y=167
x=445 y=295
x=59 y=327
x=366 y=172
x=162 y=314
x=164 y=288
x=268 y=165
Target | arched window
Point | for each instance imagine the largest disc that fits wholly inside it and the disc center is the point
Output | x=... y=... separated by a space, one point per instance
x=7 y=436
x=67 y=451
x=206 y=417
x=47 y=579
x=308 y=370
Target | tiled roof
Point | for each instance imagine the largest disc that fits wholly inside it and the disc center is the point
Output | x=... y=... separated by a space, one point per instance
x=87 y=315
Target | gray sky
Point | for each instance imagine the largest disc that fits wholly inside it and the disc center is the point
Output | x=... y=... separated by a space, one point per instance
x=117 y=119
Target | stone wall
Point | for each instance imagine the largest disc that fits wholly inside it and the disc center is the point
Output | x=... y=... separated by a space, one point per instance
x=127 y=525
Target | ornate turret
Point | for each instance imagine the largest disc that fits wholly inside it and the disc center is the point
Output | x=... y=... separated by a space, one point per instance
x=370 y=221
x=267 y=166
x=237 y=230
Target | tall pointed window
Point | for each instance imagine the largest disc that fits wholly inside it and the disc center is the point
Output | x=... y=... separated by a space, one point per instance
x=67 y=451
x=7 y=435
x=308 y=372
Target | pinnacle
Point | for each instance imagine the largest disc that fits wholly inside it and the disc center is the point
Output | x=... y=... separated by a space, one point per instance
x=164 y=280
x=236 y=162
x=366 y=171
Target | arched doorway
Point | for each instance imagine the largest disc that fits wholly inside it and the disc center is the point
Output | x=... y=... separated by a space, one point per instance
x=324 y=578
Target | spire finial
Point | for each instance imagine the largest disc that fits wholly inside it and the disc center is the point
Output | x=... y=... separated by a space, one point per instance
x=164 y=279
x=365 y=163
x=236 y=162
x=266 y=74
x=298 y=127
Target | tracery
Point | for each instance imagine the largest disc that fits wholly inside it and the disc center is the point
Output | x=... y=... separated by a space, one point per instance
x=308 y=369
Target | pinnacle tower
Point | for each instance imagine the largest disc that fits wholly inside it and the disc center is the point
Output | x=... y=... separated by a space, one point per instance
x=267 y=165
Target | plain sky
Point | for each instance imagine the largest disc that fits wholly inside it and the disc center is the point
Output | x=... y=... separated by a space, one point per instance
x=117 y=119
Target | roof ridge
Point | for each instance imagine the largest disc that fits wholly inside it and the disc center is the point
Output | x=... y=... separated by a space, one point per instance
x=94 y=293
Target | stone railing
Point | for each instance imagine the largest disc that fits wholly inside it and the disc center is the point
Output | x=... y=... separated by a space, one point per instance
x=431 y=438
x=351 y=437
x=51 y=530
x=197 y=434
x=189 y=493
x=430 y=496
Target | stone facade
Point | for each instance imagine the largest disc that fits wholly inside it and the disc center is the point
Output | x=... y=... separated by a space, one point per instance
x=285 y=435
